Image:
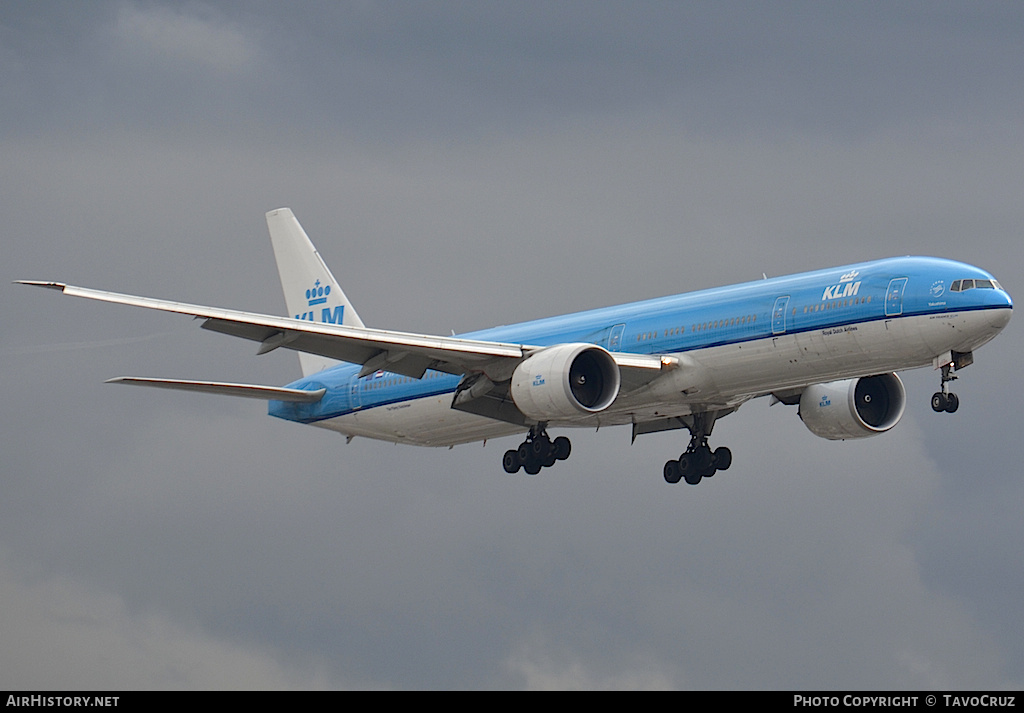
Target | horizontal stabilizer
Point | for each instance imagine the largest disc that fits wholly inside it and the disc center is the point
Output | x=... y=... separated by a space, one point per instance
x=249 y=391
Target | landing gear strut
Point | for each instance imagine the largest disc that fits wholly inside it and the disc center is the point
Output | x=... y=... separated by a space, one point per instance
x=536 y=452
x=945 y=400
x=698 y=461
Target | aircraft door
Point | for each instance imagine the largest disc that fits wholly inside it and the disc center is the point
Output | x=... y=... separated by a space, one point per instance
x=779 y=315
x=615 y=337
x=357 y=402
x=894 y=296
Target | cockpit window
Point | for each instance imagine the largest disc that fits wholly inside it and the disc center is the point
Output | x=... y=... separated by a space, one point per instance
x=964 y=285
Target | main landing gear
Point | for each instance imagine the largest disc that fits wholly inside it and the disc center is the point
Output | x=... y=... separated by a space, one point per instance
x=945 y=400
x=699 y=461
x=536 y=452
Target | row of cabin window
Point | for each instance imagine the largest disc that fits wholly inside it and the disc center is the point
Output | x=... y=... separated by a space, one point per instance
x=835 y=305
x=382 y=382
x=719 y=323
x=698 y=327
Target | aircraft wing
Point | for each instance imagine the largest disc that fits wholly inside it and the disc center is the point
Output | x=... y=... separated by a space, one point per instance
x=403 y=353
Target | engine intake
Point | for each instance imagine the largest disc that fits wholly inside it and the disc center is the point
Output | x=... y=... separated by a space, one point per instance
x=853 y=408
x=565 y=381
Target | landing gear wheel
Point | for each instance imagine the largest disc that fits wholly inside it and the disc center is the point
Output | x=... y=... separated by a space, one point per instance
x=952 y=402
x=563 y=447
x=672 y=473
x=686 y=464
x=722 y=458
x=702 y=459
x=939 y=402
x=510 y=462
x=692 y=478
x=539 y=447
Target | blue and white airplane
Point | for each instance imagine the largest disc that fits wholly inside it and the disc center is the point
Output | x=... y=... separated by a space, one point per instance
x=827 y=341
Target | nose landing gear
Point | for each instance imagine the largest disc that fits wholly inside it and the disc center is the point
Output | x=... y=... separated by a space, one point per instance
x=945 y=400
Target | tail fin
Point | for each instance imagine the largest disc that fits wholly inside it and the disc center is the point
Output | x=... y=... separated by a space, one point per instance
x=310 y=290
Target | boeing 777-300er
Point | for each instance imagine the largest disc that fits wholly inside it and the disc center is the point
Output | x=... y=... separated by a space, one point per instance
x=827 y=341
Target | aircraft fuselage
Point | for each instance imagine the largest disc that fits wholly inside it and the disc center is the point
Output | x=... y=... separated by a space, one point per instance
x=732 y=344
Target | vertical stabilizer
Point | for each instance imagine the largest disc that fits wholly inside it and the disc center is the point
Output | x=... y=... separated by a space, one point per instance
x=310 y=290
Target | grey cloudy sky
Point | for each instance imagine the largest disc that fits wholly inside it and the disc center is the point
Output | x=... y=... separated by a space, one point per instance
x=461 y=165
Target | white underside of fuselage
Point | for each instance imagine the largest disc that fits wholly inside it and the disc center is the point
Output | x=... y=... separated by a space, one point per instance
x=717 y=377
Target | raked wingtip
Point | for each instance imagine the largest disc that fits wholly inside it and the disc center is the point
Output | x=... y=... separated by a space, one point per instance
x=42 y=283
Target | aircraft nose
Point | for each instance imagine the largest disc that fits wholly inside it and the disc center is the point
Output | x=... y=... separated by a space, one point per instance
x=1001 y=298
x=1002 y=305
x=1001 y=317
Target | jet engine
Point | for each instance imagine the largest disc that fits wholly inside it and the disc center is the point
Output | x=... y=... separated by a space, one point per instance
x=565 y=382
x=853 y=408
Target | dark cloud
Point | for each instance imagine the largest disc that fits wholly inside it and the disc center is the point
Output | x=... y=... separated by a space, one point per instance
x=461 y=70
x=459 y=166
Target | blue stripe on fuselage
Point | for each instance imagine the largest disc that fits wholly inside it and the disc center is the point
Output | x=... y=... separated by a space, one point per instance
x=824 y=299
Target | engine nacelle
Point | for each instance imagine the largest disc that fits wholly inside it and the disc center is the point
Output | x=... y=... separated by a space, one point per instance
x=565 y=381
x=854 y=408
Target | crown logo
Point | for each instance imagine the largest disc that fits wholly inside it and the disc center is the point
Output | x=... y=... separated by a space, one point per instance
x=317 y=295
x=848 y=277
